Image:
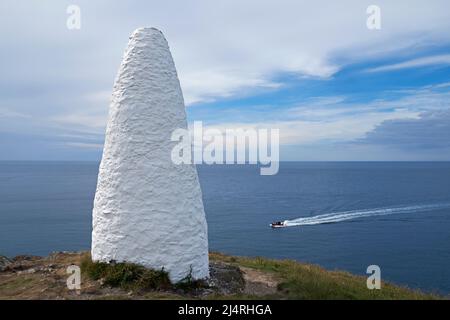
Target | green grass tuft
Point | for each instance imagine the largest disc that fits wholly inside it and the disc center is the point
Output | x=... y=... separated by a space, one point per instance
x=126 y=275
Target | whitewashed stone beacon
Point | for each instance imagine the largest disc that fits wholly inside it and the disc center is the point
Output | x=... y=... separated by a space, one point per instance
x=148 y=210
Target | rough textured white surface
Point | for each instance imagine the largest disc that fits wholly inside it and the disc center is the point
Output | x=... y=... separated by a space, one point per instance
x=148 y=210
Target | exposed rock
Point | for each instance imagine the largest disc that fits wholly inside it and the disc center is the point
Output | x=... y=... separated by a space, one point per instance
x=23 y=258
x=23 y=262
x=28 y=271
x=226 y=279
x=4 y=263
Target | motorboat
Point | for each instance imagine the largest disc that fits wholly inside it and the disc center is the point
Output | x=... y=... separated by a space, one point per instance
x=278 y=224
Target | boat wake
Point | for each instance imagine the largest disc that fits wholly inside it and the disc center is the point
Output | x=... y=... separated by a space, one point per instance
x=356 y=214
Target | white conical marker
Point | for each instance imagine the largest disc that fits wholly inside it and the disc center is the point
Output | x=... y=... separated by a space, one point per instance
x=148 y=210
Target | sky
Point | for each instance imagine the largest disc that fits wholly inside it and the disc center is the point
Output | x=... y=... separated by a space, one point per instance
x=336 y=90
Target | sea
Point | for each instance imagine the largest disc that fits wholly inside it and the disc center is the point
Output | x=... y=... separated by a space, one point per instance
x=340 y=215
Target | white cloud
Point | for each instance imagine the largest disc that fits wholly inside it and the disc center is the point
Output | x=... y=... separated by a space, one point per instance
x=220 y=47
x=95 y=122
x=332 y=119
x=414 y=63
x=101 y=97
x=6 y=113
x=209 y=85
x=345 y=128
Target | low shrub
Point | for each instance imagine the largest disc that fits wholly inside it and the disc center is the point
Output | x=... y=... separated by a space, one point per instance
x=126 y=275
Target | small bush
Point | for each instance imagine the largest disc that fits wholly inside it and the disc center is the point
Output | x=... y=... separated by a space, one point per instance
x=190 y=284
x=126 y=275
x=154 y=279
x=95 y=270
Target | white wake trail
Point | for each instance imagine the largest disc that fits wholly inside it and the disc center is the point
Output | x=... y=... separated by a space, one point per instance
x=356 y=214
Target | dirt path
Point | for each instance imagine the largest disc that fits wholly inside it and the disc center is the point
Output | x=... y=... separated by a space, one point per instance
x=259 y=283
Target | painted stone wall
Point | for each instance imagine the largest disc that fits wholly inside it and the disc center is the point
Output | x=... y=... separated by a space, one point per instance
x=148 y=210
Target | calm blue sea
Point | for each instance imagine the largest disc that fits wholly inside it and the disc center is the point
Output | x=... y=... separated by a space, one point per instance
x=395 y=215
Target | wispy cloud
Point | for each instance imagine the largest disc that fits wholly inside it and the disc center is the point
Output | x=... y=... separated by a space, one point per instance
x=207 y=86
x=335 y=120
x=6 y=113
x=414 y=63
x=94 y=122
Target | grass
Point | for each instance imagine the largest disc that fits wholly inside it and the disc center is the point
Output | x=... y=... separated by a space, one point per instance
x=131 y=276
x=17 y=285
x=126 y=275
x=294 y=280
x=305 y=281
